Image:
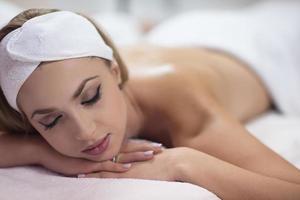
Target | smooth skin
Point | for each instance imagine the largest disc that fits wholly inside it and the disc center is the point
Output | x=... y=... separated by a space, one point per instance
x=192 y=100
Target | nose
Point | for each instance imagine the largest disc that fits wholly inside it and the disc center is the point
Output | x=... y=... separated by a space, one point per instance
x=84 y=127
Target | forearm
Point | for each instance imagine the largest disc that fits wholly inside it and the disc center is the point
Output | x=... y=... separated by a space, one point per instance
x=17 y=150
x=231 y=182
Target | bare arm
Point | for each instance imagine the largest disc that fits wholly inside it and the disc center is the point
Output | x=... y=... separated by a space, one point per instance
x=226 y=180
x=224 y=137
x=229 y=181
x=16 y=150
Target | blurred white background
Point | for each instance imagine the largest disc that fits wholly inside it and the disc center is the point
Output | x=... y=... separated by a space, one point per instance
x=140 y=8
x=129 y=17
x=153 y=9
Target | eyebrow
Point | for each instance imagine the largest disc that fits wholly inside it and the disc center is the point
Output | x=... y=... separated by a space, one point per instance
x=77 y=92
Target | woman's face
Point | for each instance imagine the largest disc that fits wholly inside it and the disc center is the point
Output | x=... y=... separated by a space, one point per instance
x=74 y=104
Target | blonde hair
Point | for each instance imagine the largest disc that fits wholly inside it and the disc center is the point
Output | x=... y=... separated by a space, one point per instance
x=12 y=121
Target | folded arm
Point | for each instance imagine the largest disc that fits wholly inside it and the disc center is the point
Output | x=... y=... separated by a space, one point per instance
x=227 y=139
x=16 y=150
x=19 y=150
x=210 y=127
x=232 y=163
x=229 y=181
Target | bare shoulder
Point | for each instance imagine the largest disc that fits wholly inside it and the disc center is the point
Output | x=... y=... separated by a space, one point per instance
x=205 y=72
x=175 y=95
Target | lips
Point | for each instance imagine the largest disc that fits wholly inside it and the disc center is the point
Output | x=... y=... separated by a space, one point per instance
x=99 y=147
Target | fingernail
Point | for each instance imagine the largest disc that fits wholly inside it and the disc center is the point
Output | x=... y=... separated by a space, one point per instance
x=156 y=144
x=81 y=175
x=127 y=166
x=148 y=153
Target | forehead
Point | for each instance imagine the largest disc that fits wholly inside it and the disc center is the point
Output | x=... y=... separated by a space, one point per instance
x=53 y=82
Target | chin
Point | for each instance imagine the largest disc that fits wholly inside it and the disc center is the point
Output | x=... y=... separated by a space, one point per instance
x=112 y=150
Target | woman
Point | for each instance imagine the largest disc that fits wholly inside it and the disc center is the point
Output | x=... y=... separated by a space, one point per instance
x=70 y=86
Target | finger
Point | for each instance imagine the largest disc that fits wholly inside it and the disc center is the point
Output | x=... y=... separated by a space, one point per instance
x=141 y=146
x=135 y=156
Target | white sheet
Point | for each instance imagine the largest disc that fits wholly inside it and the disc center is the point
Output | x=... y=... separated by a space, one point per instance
x=35 y=184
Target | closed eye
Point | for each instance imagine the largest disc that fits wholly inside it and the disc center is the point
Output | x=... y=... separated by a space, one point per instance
x=89 y=102
x=93 y=100
x=52 y=124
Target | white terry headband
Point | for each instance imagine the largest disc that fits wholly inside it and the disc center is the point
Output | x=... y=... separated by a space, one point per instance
x=54 y=36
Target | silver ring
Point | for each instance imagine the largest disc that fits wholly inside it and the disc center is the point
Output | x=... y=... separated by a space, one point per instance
x=115 y=158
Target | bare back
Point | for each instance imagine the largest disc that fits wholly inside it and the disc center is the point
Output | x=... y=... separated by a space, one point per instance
x=228 y=80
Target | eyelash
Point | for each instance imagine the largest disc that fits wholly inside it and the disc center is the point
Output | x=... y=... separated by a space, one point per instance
x=90 y=102
x=95 y=98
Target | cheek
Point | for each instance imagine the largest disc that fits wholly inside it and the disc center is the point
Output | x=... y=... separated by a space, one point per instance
x=119 y=110
x=58 y=141
x=112 y=110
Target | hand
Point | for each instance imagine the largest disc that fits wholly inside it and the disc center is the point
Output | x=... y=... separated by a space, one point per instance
x=133 y=150
x=163 y=166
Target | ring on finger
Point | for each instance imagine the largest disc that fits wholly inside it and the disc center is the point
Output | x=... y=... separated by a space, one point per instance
x=116 y=158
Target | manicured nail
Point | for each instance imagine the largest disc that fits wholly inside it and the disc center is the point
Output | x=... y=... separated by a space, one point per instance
x=156 y=144
x=81 y=175
x=148 y=153
x=127 y=166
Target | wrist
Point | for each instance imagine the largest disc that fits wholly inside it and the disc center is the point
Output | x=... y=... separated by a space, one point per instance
x=190 y=163
x=182 y=164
